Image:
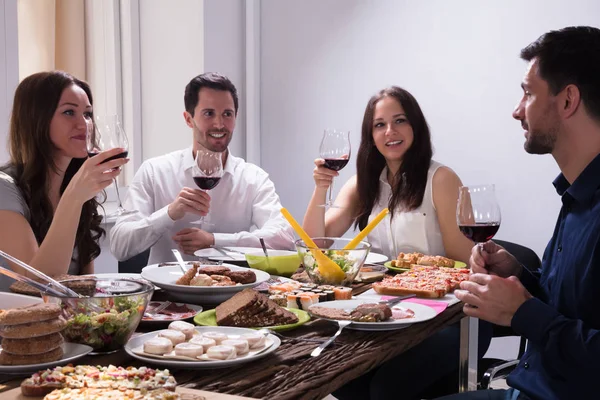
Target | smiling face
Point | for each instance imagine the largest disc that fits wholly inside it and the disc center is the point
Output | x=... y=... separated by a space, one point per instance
x=68 y=126
x=392 y=132
x=213 y=121
x=537 y=111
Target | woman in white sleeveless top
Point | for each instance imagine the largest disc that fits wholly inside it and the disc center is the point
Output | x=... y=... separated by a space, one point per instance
x=394 y=170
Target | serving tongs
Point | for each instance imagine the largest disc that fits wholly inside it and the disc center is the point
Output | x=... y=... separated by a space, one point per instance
x=59 y=290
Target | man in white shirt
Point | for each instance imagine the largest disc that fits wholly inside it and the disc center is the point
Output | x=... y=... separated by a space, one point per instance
x=243 y=206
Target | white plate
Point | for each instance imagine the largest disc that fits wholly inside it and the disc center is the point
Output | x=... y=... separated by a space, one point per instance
x=72 y=351
x=14 y=300
x=214 y=254
x=165 y=277
x=422 y=313
x=375 y=258
x=139 y=341
x=164 y=318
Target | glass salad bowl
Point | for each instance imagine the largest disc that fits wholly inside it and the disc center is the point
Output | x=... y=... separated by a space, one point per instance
x=346 y=263
x=109 y=313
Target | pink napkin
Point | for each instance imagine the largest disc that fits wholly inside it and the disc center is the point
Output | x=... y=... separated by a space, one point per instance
x=438 y=306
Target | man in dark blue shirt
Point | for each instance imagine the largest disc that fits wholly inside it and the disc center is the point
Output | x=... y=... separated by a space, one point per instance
x=559 y=313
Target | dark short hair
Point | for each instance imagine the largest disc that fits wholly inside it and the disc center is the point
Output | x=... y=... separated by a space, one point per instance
x=570 y=56
x=211 y=80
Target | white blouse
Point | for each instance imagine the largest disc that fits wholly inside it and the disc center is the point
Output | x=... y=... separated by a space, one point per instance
x=413 y=231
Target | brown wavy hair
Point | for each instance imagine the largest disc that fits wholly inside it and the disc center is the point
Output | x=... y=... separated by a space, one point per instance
x=31 y=156
x=411 y=179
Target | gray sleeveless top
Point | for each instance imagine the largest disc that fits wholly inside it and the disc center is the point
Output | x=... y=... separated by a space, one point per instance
x=11 y=199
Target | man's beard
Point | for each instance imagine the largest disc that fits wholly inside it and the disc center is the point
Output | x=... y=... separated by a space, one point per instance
x=541 y=143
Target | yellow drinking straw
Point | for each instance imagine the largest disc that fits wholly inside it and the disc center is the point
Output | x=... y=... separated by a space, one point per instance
x=330 y=270
x=363 y=234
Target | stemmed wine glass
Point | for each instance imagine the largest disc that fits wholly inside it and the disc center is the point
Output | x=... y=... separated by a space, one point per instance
x=478 y=212
x=105 y=135
x=335 y=150
x=207 y=173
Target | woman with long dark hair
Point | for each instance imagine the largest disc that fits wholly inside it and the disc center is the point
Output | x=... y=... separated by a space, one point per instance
x=394 y=169
x=48 y=208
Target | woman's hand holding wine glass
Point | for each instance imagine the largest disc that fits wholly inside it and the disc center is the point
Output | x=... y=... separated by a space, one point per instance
x=95 y=175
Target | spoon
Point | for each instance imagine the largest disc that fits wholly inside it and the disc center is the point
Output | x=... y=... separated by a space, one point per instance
x=181 y=263
x=264 y=247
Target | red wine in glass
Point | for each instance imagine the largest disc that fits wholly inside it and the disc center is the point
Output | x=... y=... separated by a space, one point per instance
x=207 y=173
x=477 y=212
x=480 y=232
x=120 y=155
x=206 y=182
x=335 y=164
x=335 y=150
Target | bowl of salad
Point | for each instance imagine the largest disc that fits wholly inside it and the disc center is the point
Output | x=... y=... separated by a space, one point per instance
x=107 y=315
x=340 y=266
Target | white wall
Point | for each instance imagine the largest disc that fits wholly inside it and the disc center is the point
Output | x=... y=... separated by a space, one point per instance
x=9 y=69
x=321 y=60
x=224 y=52
x=172 y=53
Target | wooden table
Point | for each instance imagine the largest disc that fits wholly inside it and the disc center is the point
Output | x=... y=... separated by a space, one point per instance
x=290 y=372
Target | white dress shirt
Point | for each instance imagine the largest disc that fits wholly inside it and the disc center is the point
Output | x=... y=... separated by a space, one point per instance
x=409 y=231
x=244 y=207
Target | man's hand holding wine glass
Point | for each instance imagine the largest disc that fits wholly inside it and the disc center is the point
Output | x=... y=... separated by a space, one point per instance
x=193 y=201
x=493 y=292
x=95 y=175
x=491 y=258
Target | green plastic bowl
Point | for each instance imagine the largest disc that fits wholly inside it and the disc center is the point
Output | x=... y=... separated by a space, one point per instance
x=280 y=262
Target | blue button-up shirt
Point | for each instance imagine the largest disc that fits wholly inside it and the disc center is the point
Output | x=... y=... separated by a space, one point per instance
x=562 y=323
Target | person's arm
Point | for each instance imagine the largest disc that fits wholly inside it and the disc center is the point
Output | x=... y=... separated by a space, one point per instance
x=266 y=216
x=135 y=233
x=53 y=255
x=336 y=221
x=571 y=344
x=445 y=197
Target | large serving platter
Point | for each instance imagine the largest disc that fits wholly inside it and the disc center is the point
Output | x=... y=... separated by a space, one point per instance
x=72 y=351
x=133 y=349
x=422 y=313
x=165 y=278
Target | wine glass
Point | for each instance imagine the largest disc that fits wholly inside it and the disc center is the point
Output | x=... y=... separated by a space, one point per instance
x=335 y=150
x=207 y=173
x=478 y=212
x=108 y=134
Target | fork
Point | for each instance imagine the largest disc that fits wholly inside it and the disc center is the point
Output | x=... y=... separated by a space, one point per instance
x=157 y=310
x=342 y=324
x=266 y=331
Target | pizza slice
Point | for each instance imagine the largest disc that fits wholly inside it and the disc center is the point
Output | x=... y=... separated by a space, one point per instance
x=97 y=377
x=113 y=394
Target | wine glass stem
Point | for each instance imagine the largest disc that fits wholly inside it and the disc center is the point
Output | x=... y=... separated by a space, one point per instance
x=329 y=202
x=118 y=195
